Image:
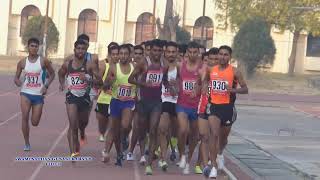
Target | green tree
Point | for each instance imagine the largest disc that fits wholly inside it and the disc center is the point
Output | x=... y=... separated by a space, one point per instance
x=282 y=13
x=253 y=45
x=35 y=28
x=183 y=36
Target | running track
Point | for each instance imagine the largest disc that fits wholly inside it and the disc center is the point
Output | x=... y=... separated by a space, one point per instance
x=49 y=139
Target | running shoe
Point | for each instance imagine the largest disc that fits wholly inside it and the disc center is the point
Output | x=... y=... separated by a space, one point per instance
x=186 y=169
x=148 y=170
x=206 y=171
x=197 y=170
x=213 y=173
x=220 y=161
x=130 y=156
x=119 y=161
x=27 y=147
x=142 y=160
x=101 y=138
x=163 y=165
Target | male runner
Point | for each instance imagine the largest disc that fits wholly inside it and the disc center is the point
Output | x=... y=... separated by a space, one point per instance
x=104 y=98
x=203 y=115
x=220 y=79
x=79 y=74
x=123 y=99
x=188 y=100
x=93 y=91
x=149 y=107
x=33 y=88
x=138 y=59
x=169 y=99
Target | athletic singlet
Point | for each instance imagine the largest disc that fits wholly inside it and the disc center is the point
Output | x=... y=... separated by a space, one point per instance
x=154 y=75
x=105 y=96
x=76 y=86
x=33 y=78
x=219 y=81
x=166 y=96
x=121 y=88
x=187 y=84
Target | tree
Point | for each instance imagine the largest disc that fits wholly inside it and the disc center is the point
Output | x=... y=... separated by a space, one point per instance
x=253 y=45
x=170 y=23
x=183 y=36
x=282 y=13
x=35 y=28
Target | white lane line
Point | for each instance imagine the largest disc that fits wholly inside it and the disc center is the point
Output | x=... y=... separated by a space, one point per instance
x=9 y=92
x=229 y=173
x=37 y=170
x=18 y=113
x=136 y=171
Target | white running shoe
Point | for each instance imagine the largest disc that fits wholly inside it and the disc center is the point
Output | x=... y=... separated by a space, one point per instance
x=183 y=162
x=142 y=160
x=220 y=161
x=186 y=169
x=213 y=173
x=130 y=156
x=101 y=138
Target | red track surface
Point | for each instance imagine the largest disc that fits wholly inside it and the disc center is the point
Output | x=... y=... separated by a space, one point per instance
x=49 y=139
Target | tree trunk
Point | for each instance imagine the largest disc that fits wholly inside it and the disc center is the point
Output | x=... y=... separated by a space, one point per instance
x=293 y=55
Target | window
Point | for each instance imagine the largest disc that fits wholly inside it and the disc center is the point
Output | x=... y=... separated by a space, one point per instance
x=313 y=46
x=145 y=28
x=203 y=31
x=27 y=13
x=87 y=24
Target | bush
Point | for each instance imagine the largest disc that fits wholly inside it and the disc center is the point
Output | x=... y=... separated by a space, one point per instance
x=35 y=28
x=253 y=45
x=183 y=36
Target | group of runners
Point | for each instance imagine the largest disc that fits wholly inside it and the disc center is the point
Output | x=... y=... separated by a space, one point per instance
x=158 y=94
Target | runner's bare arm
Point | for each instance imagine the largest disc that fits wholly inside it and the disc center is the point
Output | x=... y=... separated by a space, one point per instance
x=95 y=59
x=133 y=78
x=243 y=85
x=205 y=80
x=62 y=74
x=97 y=79
x=47 y=64
x=18 y=73
x=110 y=77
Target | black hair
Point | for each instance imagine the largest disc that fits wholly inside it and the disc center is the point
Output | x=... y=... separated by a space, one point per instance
x=83 y=37
x=113 y=47
x=193 y=44
x=183 y=48
x=125 y=46
x=228 y=48
x=205 y=54
x=33 y=40
x=156 y=42
x=80 y=42
x=130 y=45
x=213 y=51
x=164 y=43
x=171 y=43
x=138 y=47
x=147 y=43
x=112 y=44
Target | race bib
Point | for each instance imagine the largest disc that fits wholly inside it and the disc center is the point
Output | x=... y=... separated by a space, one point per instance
x=188 y=86
x=166 y=92
x=75 y=82
x=154 y=77
x=219 y=85
x=33 y=80
x=124 y=92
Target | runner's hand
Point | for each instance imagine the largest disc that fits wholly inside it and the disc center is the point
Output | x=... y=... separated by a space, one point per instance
x=43 y=90
x=82 y=76
x=18 y=83
x=61 y=87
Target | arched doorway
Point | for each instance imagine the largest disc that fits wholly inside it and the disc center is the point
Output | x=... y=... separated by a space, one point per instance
x=87 y=24
x=203 y=31
x=27 y=13
x=145 y=28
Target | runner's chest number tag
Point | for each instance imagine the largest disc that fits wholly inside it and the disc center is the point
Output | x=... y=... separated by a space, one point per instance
x=219 y=85
x=33 y=80
x=124 y=92
x=75 y=82
x=188 y=86
x=154 y=77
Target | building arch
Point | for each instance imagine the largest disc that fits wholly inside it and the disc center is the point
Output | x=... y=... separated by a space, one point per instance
x=203 y=31
x=28 y=12
x=87 y=24
x=145 y=28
